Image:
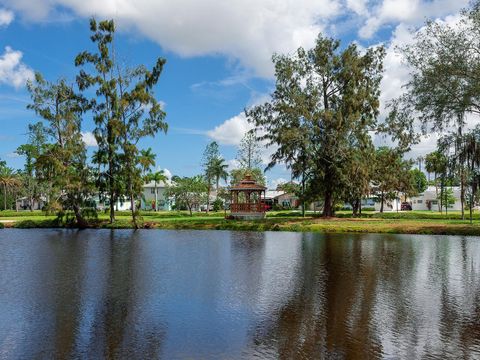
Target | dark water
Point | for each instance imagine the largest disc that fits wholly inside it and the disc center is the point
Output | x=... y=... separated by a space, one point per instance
x=226 y=295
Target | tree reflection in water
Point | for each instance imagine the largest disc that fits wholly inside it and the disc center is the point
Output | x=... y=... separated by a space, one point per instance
x=187 y=294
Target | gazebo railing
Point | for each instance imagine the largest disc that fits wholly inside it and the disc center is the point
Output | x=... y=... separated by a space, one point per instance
x=247 y=208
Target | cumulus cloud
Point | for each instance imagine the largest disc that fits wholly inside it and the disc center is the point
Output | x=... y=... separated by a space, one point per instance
x=231 y=131
x=192 y=28
x=12 y=71
x=89 y=139
x=6 y=17
x=412 y=12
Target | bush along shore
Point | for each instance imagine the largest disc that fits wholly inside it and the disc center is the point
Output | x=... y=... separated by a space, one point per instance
x=400 y=223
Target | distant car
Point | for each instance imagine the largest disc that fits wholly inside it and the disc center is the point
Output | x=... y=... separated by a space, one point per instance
x=405 y=206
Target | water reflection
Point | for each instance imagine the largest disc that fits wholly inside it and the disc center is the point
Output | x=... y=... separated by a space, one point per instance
x=169 y=294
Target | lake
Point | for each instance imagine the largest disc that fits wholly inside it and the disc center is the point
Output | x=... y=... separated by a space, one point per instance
x=153 y=294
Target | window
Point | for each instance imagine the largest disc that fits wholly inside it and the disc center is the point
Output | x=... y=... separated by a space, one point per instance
x=152 y=191
x=419 y=201
x=434 y=202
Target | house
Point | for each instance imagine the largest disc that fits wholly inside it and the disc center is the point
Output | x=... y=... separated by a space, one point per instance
x=389 y=205
x=282 y=199
x=428 y=199
x=23 y=203
x=148 y=196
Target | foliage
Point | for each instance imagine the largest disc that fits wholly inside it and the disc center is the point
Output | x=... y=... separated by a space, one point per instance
x=237 y=175
x=125 y=111
x=61 y=161
x=325 y=102
x=248 y=155
x=188 y=191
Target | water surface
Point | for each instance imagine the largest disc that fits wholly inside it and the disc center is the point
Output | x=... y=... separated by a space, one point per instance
x=237 y=295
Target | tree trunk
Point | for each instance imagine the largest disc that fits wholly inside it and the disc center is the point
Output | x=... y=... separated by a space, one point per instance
x=382 y=201
x=328 y=210
x=303 y=194
x=354 y=208
x=462 y=193
x=208 y=197
x=81 y=222
x=156 y=196
x=4 y=197
x=133 y=209
x=112 y=207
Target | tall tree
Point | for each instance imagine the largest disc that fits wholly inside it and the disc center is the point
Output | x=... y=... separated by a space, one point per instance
x=210 y=154
x=444 y=86
x=435 y=162
x=248 y=154
x=63 y=160
x=328 y=98
x=218 y=169
x=146 y=160
x=125 y=111
x=9 y=181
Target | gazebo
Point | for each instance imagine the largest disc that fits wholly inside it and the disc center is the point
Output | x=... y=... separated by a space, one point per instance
x=246 y=200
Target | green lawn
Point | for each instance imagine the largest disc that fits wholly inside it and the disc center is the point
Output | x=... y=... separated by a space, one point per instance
x=413 y=222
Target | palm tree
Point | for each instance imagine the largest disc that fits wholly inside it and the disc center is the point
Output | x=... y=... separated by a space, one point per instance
x=218 y=170
x=146 y=159
x=156 y=178
x=9 y=180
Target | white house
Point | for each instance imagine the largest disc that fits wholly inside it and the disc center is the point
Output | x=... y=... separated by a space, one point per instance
x=428 y=199
x=148 y=196
x=389 y=205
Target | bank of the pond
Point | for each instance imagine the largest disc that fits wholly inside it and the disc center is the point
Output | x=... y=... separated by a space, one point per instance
x=401 y=223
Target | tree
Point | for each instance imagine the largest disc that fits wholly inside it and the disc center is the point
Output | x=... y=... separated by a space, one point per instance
x=157 y=177
x=248 y=155
x=325 y=101
x=218 y=169
x=63 y=157
x=445 y=80
x=9 y=180
x=210 y=154
x=188 y=191
x=436 y=163
x=125 y=111
x=237 y=175
x=32 y=188
x=419 y=181
x=391 y=175
x=146 y=160
x=358 y=175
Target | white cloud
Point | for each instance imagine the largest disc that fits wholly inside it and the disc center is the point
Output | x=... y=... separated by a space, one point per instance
x=192 y=28
x=12 y=71
x=89 y=139
x=231 y=131
x=358 y=6
x=6 y=17
x=412 y=12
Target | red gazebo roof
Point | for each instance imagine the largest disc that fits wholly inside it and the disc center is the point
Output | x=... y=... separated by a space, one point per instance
x=248 y=184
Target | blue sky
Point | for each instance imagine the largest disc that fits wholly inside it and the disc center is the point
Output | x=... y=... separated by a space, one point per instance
x=218 y=58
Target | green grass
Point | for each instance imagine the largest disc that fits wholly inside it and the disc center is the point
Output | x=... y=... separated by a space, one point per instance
x=414 y=222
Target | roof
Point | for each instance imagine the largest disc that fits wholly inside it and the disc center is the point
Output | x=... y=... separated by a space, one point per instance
x=151 y=184
x=248 y=184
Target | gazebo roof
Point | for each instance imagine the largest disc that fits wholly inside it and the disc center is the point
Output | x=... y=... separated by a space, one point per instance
x=248 y=184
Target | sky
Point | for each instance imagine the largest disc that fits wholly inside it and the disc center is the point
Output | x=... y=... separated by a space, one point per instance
x=218 y=59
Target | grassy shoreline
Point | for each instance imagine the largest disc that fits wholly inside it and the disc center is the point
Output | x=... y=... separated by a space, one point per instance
x=392 y=223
